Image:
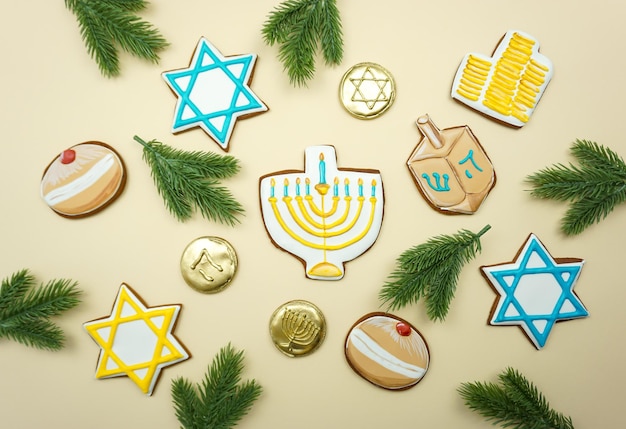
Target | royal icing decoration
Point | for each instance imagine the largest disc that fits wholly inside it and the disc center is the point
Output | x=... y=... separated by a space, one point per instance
x=136 y=341
x=323 y=215
x=508 y=85
x=387 y=351
x=450 y=168
x=83 y=179
x=213 y=92
x=536 y=291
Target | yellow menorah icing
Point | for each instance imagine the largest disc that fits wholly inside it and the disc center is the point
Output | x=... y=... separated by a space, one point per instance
x=325 y=223
x=508 y=85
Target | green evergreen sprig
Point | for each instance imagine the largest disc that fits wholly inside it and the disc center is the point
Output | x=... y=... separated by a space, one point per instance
x=189 y=180
x=106 y=25
x=431 y=270
x=299 y=27
x=25 y=311
x=593 y=188
x=514 y=403
x=221 y=400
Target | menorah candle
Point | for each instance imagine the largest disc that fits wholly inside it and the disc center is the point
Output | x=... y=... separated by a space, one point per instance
x=323 y=230
x=450 y=168
x=322 y=169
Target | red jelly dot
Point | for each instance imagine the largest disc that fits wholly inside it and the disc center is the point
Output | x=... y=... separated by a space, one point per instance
x=403 y=329
x=68 y=156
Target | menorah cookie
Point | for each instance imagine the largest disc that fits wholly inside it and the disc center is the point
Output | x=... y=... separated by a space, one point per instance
x=387 y=351
x=213 y=92
x=507 y=85
x=324 y=216
x=83 y=179
x=535 y=291
x=136 y=341
x=451 y=168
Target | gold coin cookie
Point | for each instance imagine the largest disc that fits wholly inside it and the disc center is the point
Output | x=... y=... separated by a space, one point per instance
x=367 y=90
x=297 y=328
x=208 y=264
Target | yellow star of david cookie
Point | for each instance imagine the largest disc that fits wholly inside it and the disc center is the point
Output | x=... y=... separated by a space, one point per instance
x=136 y=341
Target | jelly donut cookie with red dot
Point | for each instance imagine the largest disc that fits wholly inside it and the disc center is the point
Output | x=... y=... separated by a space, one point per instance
x=387 y=351
x=83 y=179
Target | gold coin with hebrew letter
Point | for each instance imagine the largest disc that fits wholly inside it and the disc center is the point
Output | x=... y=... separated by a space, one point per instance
x=297 y=328
x=208 y=264
x=367 y=90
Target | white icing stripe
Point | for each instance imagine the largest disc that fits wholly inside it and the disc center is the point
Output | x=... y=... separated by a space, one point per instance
x=364 y=344
x=78 y=185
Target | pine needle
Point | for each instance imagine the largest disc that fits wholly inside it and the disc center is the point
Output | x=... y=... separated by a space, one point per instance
x=105 y=24
x=593 y=188
x=299 y=27
x=189 y=180
x=514 y=403
x=431 y=271
x=221 y=400
x=25 y=311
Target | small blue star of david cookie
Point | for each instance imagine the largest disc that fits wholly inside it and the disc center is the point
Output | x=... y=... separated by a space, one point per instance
x=213 y=92
x=536 y=291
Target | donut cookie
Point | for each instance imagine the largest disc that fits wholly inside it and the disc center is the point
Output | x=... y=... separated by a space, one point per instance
x=213 y=92
x=136 y=341
x=387 y=351
x=507 y=85
x=323 y=215
x=535 y=291
x=451 y=169
x=83 y=179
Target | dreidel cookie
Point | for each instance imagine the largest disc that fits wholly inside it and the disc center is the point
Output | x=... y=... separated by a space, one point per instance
x=450 y=168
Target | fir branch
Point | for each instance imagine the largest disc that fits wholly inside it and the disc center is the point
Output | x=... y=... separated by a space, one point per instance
x=106 y=23
x=515 y=402
x=25 y=312
x=188 y=180
x=593 y=188
x=431 y=270
x=221 y=400
x=298 y=26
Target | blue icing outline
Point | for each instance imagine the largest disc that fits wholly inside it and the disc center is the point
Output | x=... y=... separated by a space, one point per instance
x=500 y=273
x=201 y=118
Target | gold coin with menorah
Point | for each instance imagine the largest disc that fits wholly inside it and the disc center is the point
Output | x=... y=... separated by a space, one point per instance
x=297 y=328
x=324 y=216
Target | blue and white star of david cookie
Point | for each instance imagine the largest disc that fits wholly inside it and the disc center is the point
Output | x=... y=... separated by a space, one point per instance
x=535 y=291
x=213 y=92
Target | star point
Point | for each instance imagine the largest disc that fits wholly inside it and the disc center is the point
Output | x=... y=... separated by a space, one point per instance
x=136 y=341
x=535 y=291
x=213 y=92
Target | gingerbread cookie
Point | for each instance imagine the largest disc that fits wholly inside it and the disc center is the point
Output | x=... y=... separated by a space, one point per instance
x=535 y=291
x=323 y=215
x=83 y=179
x=213 y=92
x=136 y=341
x=507 y=85
x=387 y=351
x=450 y=168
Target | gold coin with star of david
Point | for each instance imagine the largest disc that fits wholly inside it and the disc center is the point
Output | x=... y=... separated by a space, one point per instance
x=208 y=264
x=367 y=90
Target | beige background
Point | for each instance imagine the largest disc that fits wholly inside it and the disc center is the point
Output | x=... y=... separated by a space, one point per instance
x=53 y=97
